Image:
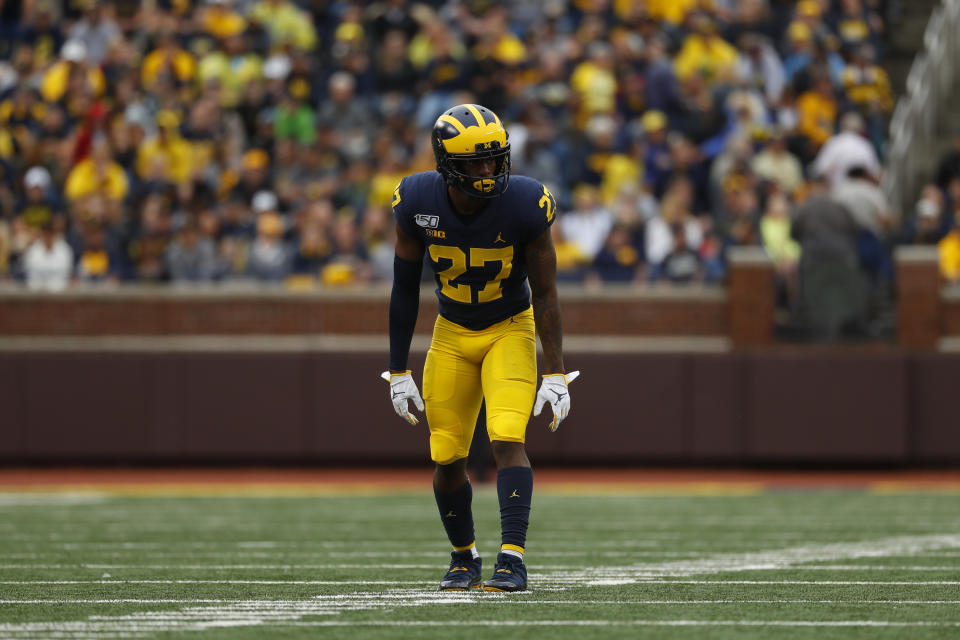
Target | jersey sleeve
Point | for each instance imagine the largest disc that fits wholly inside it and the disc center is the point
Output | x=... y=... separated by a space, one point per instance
x=540 y=210
x=402 y=212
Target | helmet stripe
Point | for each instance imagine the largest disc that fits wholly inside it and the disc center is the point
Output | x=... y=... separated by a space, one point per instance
x=476 y=114
x=456 y=123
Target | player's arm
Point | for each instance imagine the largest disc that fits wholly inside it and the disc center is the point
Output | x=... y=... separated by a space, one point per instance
x=541 y=260
x=405 y=298
x=404 y=306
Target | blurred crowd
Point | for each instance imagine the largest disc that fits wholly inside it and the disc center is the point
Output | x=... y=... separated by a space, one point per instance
x=222 y=140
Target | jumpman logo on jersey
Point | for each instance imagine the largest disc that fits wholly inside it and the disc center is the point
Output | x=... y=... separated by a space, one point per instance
x=500 y=238
x=514 y=494
x=450 y=514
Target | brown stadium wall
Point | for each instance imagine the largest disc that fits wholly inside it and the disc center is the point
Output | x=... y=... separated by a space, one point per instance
x=329 y=407
x=145 y=312
x=685 y=376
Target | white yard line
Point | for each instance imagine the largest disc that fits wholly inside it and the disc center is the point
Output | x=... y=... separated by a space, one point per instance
x=503 y=601
x=549 y=580
x=627 y=623
x=430 y=566
x=787 y=558
x=263 y=582
x=816 y=582
x=115 y=628
x=47 y=499
x=675 y=572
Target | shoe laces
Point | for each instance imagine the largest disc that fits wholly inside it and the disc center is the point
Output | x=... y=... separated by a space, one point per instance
x=460 y=560
x=506 y=564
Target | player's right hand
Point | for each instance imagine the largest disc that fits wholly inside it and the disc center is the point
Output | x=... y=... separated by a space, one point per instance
x=403 y=388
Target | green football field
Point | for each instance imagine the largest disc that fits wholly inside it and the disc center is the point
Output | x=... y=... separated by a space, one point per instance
x=783 y=564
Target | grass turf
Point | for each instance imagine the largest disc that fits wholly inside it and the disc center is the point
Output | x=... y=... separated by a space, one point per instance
x=785 y=564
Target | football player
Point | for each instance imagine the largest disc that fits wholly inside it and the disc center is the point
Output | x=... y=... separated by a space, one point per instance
x=484 y=242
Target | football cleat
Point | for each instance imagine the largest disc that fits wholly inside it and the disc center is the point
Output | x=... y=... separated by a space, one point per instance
x=464 y=573
x=509 y=574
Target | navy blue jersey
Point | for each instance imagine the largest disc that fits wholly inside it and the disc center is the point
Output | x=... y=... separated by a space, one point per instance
x=478 y=259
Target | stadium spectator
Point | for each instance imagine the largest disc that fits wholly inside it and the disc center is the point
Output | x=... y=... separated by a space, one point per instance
x=155 y=124
x=347 y=116
x=760 y=67
x=348 y=259
x=705 y=53
x=74 y=70
x=40 y=204
x=833 y=294
x=288 y=24
x=97 y=30
x=96 y=259
x=868 y=88
x=571 y=262
x=682 y=264
x=191 y=257
x=661 y=92
x=588 y=223
x=949 y=255
x=594 y=83
x=378 y=240
x=675 y=208
x=165 y=156
x=97 y=175
x=217 y=18
x=949 y=166
x=230 y=67
x=169 y=60
x=776 y=164
x=5 y=249
x=817 y=113
x=618 y=260
x=268 y=258
x=930 y=222
x=847 y=149
x=48 y=261
x=784 y=251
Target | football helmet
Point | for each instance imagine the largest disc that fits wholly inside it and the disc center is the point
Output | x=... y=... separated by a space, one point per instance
x=468 y=133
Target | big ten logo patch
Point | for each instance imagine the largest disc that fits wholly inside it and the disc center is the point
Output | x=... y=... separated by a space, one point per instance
x=435 y=233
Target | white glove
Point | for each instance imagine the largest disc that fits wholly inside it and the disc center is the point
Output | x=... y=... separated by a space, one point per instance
x=553 y=391
x=403 y=388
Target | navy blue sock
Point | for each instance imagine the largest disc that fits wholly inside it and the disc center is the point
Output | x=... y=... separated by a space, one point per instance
x=457 y=516
x=514 y=488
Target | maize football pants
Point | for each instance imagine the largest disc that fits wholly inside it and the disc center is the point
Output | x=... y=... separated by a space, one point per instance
x=464 y=367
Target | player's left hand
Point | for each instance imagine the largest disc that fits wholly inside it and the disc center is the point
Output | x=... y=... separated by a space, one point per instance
x=403 y=388
x=553 y=391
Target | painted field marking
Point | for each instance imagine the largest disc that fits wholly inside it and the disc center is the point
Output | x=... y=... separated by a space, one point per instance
x=546 y=578
x=432 y=566
x=671 y=572
x=47 y=499
x=816 y=582
x=787 y=558
x=505 y=601
x=263 y=582
x=157 y=625
x=628 y=623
